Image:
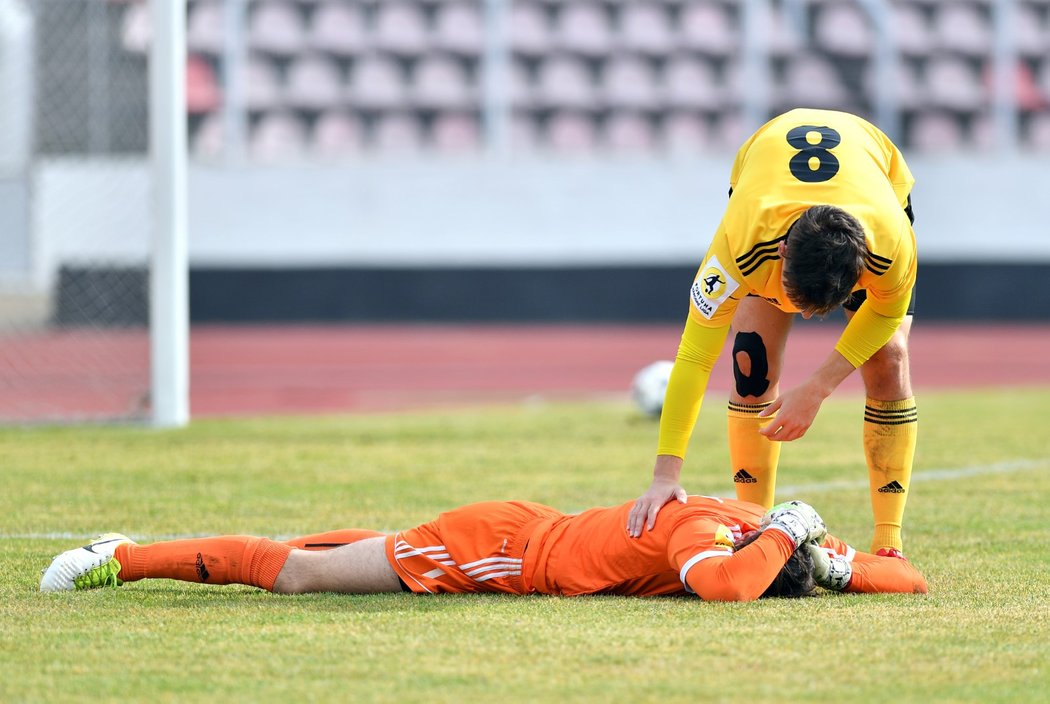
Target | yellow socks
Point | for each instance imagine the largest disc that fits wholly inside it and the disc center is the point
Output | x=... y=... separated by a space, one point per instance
x=890 y=430
x=754 y=457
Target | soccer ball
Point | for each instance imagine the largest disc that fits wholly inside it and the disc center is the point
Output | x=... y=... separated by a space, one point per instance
x=649 y=386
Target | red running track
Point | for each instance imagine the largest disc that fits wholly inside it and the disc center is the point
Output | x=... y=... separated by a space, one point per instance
x=259 y=370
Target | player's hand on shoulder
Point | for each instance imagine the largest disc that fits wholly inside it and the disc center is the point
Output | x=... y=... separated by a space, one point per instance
x=644 y=511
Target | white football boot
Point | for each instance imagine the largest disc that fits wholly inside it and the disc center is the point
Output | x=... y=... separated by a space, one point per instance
x=87 y=567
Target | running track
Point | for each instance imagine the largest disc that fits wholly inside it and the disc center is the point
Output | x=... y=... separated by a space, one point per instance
x=262 y=370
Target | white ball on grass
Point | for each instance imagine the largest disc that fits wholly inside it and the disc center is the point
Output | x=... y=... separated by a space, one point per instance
x=649 y=387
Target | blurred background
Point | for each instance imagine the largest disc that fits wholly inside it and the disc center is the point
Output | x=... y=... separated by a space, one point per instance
x=485 y=161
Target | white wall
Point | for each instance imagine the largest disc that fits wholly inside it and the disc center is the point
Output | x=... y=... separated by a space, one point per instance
x=441 y=212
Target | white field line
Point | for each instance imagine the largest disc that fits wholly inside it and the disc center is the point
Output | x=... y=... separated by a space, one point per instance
x=921 y=476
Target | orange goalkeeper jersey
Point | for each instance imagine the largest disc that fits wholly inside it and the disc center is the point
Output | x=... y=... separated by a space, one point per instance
x=522 y=548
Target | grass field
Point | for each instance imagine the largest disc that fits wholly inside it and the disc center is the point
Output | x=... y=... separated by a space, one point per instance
x=977 y=525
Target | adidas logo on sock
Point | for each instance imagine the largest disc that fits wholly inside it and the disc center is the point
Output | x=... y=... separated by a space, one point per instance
x=742 y=477
x=893 y=487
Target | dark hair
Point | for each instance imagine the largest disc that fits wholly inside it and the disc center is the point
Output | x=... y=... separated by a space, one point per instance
x=794 y=580
x=824 y=257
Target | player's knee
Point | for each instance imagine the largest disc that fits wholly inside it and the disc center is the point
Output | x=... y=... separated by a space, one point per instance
x=750 y=364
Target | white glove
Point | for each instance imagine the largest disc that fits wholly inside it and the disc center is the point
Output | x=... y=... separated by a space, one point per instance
x=798 y=520
x=830 y=573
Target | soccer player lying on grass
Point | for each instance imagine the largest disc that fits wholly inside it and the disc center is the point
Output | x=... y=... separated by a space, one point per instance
x=718 y=549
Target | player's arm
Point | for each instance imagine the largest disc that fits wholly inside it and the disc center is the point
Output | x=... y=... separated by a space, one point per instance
x=839 y=567
x=697 y=353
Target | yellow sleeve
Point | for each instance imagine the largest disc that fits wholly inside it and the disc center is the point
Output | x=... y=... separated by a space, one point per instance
x=866 y=333
x=697 y=354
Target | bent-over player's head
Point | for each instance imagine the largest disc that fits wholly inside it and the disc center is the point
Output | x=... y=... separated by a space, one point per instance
x=794 y=580
x=823 y=258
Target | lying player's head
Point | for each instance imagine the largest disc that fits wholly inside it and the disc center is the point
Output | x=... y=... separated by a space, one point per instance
x=823 y=259
x=795 y=579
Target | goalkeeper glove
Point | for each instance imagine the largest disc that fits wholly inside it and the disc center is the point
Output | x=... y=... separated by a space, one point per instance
x=797 y=520
x=829 y=572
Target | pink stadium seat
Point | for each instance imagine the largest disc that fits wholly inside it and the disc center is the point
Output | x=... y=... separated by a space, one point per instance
x=378 y=83
x=528 y=30
x=907 y=88
x=207 y=140
x=135 y=28
x=278 y=136
x=1033 y=38
x=629 y=82
x=686 y=133
x=337 y=134
x=936 y=132
x=262 y=85
x=398 y=132
x=204 y=30
x=730 y=132
x=456 y=133
x=912 y=32
x=952 y=84
x=565 y=82
x=691 y=83
x=707 y=27
x=584 y=28
x=646 y=29
x=400 y=28
x=276 y=28
x=779 y=35
x=459 y=29
x=961 y=27
x=314 y=83
x=629 y=132
x=441 y=82
x=571 y=132
x=524 y=133
x=202 y=88
x=809 y=79
x=338 y=28
x=1039 y=133
x=842 y=29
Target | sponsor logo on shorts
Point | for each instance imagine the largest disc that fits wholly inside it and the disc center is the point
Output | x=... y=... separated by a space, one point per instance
x=712 y=287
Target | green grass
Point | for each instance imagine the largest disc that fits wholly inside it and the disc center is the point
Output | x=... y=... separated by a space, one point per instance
x=981 y=635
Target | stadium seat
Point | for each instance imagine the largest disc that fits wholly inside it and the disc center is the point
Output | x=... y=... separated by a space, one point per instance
x=262 y=84
x=628 y=132
x=397 y=133
x=1033 y=37
x=338 y=28
x=277 y=137
x=1038 y=136
x=207 y=141
x=911 y=31
x=314 y=83
x=780 y=36
x=378 y=83
x=456 y=133
x=583 y=28
x=842 y=29
x=961 y=27
x=935 y=132
x=630 y=82
x=459 y=29
x=518 y=85
x=691 y=84
x=202 y=89
x=685 y=132
x=809 y=79
x=730 y=132
x=276 y=28
x=907 y=88
x=400 y=28
x=646 y=29
x=440 y=82
x=337 y=134
x=707 y=27
x=204 y=29
x=564 y=82
x=135 y=28
x=571 y=132
x=524 y=133
x=952 y=84
x=528 y=30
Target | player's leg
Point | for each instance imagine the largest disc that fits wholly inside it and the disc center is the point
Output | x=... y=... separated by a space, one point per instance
x=890 y=432
x=332 y=539
x=360 y=567
x=759 y=334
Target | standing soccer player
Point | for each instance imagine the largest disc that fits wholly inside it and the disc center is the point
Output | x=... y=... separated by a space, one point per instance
x=819 y=216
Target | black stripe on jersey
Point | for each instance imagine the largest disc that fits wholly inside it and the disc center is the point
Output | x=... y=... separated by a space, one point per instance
x=759 y=249
x=877 y=265
x=757 y=263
